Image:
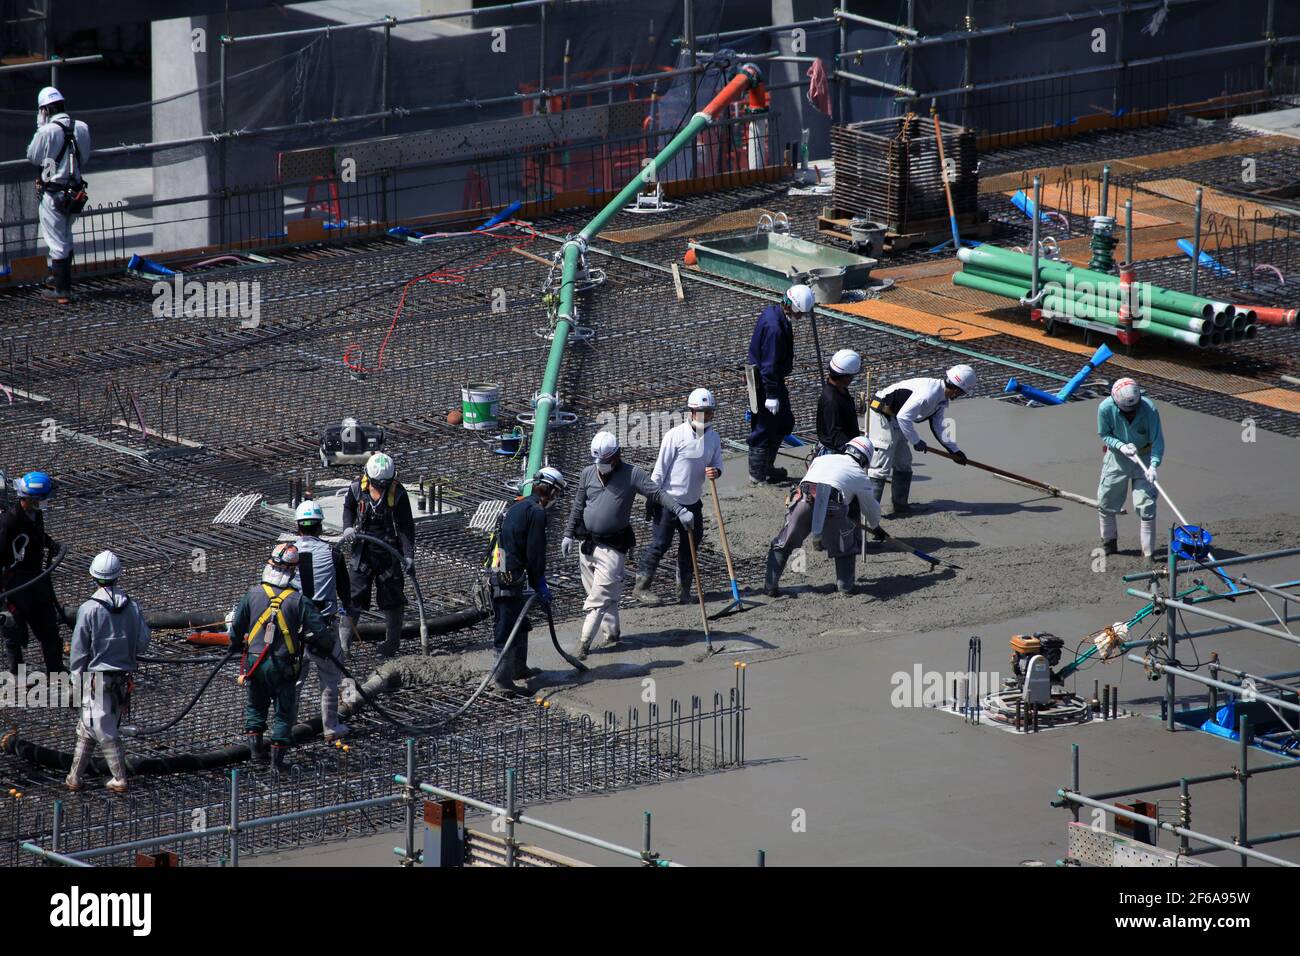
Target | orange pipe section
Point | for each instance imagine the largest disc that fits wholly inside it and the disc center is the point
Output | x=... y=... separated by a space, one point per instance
x=1272 y=316
x=747 y=76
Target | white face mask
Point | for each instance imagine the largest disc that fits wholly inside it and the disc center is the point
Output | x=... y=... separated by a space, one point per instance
x=604 y=467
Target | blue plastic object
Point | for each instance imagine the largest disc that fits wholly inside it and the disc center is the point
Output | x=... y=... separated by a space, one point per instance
x=1047 y=398
x=1026 y=205
x=502 y=216
x=139 y=263
x=1098 y=357
x=1193 y=544
x=1207 y=260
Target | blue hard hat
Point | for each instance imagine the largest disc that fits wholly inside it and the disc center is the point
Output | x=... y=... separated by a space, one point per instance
x=35 y=484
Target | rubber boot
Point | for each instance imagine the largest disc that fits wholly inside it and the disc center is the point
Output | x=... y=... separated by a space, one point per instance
x=775 y=474
x=502 y=683
x=59 y=287
x=279 y=758
x=776 y=560
x=900 y=490
x=331 y=726
x=1147 y=534
x=117 y=766
x=80 y=763
x=1109 y=533
x=641 y=591
x=757 y=465
x=392 y=633
x=257 y=748
x=683 y=590
x=846 y=569
x=878 y=489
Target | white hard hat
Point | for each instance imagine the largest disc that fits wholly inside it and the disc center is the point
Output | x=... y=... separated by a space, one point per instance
x=47 y=96
x=309 y=511
x=963 y=377
x=106 y=567
x=860 y=450
x=701 y=400
x=285 y=553
x=1126 y=394
x=604 y=446
x=800 y=298
x=380 y=467
x=846 y=362
x=550 y=476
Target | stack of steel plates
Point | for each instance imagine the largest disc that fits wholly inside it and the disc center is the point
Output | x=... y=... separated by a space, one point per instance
x=888 y=170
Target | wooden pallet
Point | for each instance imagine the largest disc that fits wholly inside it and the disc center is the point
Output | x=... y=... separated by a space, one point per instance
x=835 y=223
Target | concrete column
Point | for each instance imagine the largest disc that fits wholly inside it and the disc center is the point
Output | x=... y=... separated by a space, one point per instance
x=177 y=68
x=791 y=106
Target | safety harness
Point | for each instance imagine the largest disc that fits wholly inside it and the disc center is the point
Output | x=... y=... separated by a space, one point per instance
x=69 y=197
x=258 y=632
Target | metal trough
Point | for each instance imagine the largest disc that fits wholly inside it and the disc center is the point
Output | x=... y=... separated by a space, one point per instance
x=772 y=261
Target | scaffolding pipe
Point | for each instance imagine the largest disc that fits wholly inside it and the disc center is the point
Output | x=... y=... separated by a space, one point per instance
x=878 y=24
x=1161 y=601
x=857 y=78
x=403 y=21
x=1172 y=828
x=52 y=63
x=1226 y=562
x=575 y=248
x=1234 y=689
x=52 y=857
x=772 y=28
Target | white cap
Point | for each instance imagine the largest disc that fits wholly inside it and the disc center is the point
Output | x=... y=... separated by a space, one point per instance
x=700 y=400
x=106 y=567
x=551 y=476
x=1126 y=394
x=47 y=96
x=309 y=511
x=604 y=446
x=963 y=377
x=800 y=298
x=846 y=362
x=380 y=467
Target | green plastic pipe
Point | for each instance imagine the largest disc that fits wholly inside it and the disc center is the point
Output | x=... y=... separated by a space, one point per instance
x=748 y=76
x=992 y=258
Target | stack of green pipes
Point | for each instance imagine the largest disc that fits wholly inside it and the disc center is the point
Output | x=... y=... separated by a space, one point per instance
x=1073 y=292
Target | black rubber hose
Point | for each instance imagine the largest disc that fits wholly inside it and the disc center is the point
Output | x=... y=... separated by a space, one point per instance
x=52 y=759
x=130 y=731
x=186 y=620
x=59 y=555
x=401 y=562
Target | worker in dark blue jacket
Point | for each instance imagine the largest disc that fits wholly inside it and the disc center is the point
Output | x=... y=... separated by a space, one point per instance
x=771 y=353
x=519 y=562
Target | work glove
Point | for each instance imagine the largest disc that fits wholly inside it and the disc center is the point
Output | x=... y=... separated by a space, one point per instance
x=713 y=473
x=921 y=446
x=1150 y=474
x=543 y=590
x=349 y=535
x=772 y=405
x=959 y=457
x=1128 y=449
x=686 y=518
x=879 y=533
x=409 y=564
x=566 y=546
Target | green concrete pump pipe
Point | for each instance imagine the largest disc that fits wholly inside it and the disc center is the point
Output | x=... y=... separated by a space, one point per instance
x=575 y=248
x=1003 y=285
x=991 y=258
x=1075 y=309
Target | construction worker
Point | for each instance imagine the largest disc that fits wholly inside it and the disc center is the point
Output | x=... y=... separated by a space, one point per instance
x=601 y=518
x=376 y=504
x=771 y=353
x=109 y=635
x=689 y=453
x=324 y=576
x=272 y=626
x=837 y=413
x=895 y=413
x=519 y=560
x=59 y=150
x=842 y=478
x=1129 y=426
x=25 y=548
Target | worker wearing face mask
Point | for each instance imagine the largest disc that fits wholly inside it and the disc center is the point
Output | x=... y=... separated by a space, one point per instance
x=1129 y=426
x=30 y=606
x=601 y=518
x=688 y=454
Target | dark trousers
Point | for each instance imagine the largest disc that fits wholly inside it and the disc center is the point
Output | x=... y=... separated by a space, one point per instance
x=34 y=612
x=507 y=610
x=274 y=683
x=666 y=528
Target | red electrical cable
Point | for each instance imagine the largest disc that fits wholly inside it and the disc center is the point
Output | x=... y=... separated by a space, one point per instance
x=442 y=277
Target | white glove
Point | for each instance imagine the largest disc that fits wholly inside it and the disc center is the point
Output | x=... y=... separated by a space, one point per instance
x=772 y=405
x=1128 y=449
x=1151 y=474
x=686 y=518
x=566 y=546
x=348 y=536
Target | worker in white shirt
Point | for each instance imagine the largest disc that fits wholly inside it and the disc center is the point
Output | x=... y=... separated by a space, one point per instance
x=895 y=413
x=688 y=454
x=834 y=494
